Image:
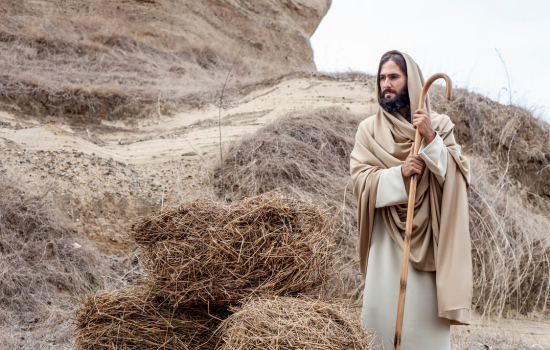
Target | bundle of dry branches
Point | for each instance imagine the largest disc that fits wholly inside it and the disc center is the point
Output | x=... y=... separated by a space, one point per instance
x=289 y=323
x=210 y=253
x=132 y=319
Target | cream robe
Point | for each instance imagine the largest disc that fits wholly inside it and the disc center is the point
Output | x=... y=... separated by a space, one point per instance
x=422 y=328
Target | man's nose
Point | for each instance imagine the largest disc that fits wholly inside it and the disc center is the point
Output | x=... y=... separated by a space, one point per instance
x=386 y=84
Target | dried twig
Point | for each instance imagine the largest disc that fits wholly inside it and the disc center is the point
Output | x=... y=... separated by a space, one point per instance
x=507 y=76
x=220 y=111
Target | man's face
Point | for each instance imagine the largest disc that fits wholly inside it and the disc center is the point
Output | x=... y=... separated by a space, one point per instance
x=392 y=80
x=394 y=94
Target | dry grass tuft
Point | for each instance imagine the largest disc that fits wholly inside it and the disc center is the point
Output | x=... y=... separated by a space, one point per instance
x=508 y=138
x=510 y=247
x=304 y=153
x=208 y=253
x=44 y=260
x=289 y=323
x=132 y=319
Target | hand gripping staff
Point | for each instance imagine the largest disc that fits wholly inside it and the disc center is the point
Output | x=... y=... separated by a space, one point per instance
x=410 y=214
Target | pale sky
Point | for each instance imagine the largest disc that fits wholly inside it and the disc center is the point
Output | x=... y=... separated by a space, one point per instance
x=454 y=37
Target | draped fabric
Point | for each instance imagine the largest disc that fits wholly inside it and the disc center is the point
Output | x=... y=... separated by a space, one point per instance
x=440 y=238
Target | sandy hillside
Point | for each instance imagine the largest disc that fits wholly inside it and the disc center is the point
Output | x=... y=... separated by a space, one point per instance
x=124 y=169
x=161 y=138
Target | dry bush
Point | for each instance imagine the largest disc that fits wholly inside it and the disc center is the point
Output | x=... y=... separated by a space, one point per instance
x=289 y=323
x=508 y=138
x=88 y=67
x=510 y=246
x=208 y=253
x=509 y=201
x=132 y=319
x=44 y=260
x=305 y=153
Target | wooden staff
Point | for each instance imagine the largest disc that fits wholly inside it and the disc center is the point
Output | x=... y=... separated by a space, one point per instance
x=410 y=215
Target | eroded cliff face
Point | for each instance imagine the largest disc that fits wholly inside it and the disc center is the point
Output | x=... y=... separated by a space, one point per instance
x=274 y=31
x=109 y=59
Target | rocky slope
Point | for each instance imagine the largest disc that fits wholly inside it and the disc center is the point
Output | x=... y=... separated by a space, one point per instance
x=103 y=176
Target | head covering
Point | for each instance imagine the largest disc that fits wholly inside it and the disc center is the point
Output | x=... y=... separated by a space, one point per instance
x=440 y=238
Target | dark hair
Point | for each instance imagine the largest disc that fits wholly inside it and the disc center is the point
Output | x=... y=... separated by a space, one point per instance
x=391 y=56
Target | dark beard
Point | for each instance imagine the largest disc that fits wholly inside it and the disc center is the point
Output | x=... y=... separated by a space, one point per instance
x=400 y=101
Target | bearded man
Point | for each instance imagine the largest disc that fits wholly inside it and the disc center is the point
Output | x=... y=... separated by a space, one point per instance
x=439 y=286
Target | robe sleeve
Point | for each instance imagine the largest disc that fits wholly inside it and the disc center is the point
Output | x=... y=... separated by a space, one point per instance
x=391 y=188
x=435 y=157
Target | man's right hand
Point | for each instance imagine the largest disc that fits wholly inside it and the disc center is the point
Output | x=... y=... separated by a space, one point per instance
x=414 y=164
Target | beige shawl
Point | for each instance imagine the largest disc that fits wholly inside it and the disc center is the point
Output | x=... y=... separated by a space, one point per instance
x=440 y=239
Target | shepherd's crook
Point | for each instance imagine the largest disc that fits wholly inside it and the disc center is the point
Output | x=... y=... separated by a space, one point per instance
x=410 y=214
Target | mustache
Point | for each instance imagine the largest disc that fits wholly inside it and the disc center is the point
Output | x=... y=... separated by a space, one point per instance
x=396 y=103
